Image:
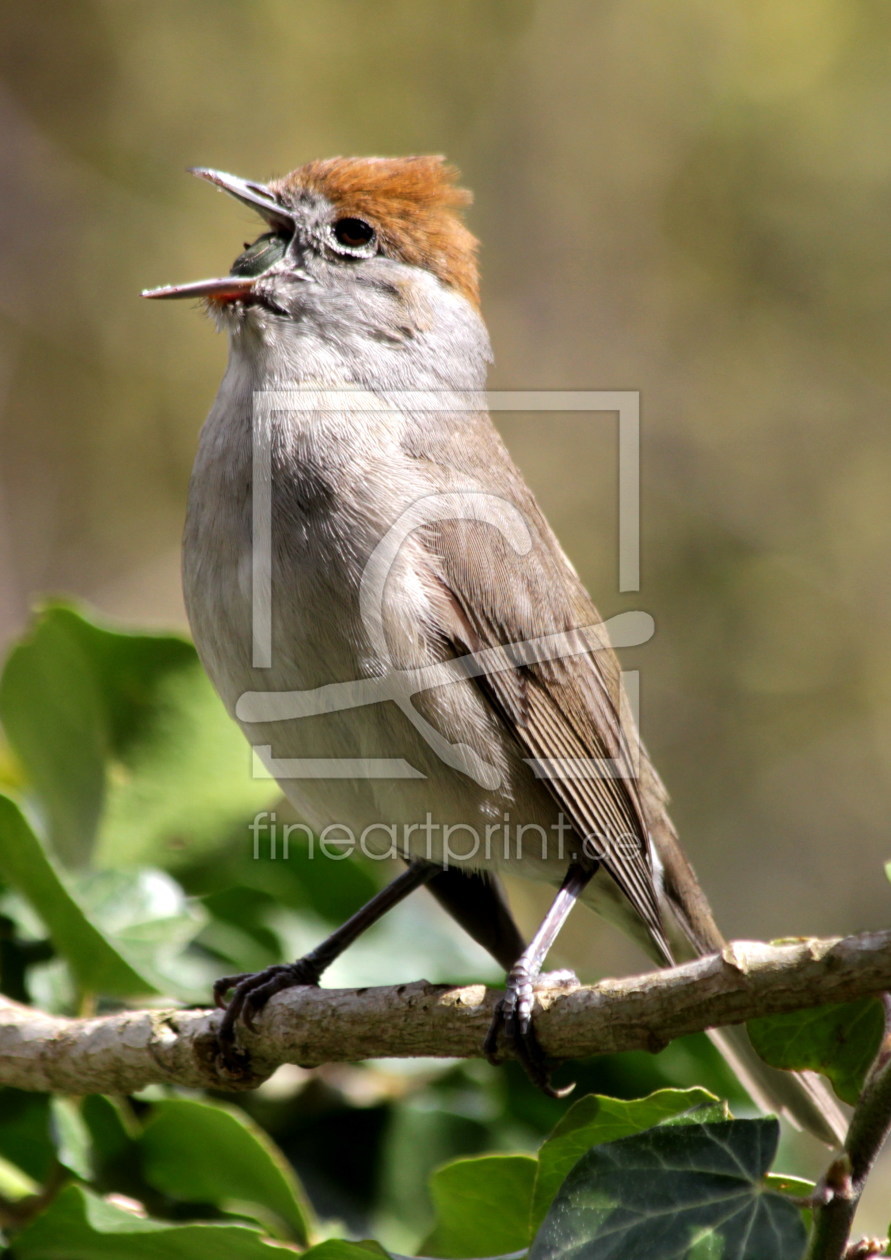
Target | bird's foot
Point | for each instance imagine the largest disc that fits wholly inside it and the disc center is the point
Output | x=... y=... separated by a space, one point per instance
x=512 y=1025
x=251 y=991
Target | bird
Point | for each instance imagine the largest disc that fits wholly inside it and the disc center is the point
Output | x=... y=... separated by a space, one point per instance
x=382 y=606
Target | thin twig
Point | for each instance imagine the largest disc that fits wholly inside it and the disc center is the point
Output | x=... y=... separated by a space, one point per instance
x=838 y=1194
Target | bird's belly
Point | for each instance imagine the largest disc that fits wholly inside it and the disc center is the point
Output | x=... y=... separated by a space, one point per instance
x=431 y=773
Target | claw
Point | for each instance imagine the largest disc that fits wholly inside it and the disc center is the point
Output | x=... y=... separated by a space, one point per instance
x=251 y=1008
x=251 y=992
x=512 y=1021
x=224 y=984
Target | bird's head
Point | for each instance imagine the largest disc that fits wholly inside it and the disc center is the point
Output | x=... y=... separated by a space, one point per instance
x=371 y=239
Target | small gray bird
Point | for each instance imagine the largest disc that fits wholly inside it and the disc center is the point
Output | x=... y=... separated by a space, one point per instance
x=380 y=603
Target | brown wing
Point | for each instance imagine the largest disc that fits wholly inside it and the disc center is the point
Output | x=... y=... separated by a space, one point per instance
x=564 y=708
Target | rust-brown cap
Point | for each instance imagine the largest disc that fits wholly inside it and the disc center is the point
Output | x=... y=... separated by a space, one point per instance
x=413 y=203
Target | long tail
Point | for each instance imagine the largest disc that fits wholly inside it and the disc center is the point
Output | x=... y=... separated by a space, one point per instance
x=804 y=1098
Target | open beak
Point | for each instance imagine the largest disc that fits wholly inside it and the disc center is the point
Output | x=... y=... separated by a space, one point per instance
x=257 y=196
x=228 y=288
x=225 y=289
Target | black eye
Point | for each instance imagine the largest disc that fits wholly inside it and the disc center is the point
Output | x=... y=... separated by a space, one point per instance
x=354 y=234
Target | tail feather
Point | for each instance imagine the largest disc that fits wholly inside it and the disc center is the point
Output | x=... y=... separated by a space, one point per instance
x=802 y=1098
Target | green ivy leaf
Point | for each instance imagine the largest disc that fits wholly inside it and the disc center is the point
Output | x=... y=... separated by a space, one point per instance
x=595 y=1119
x=676 y=1192
x=14 y=1182
x=74 y=1143
x=151 y=920
x=841 y=1040
x=786 y=1183
x=53 y=715
x=482 y=1206
x=131 y=754
x=340 y=1249
x=25 y=1138
x=207 y=1153
x=79 y=1225
x=114 y=1131
x=98 y=966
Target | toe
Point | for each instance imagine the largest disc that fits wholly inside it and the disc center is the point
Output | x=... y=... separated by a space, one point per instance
x=224 y=984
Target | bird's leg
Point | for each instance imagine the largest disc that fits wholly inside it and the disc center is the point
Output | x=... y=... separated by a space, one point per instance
x=513 y=1016
x=252 y=990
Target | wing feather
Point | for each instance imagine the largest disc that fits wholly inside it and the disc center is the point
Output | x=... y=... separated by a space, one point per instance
x=568 y=708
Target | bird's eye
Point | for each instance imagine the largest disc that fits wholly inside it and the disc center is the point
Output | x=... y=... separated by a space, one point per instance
x=354 y=235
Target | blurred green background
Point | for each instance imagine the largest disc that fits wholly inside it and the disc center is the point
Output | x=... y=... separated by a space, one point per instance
x=688 y=200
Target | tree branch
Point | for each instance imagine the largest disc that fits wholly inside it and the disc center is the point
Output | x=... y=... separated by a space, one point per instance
x=838 y=1194
x=124 y=1052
